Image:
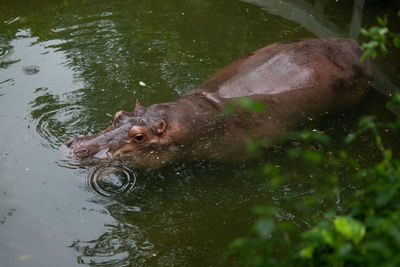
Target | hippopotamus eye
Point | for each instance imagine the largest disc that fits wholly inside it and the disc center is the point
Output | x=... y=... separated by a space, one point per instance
x=139 y=137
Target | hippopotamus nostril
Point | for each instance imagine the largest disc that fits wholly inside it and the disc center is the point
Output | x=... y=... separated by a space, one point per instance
x=83 y=153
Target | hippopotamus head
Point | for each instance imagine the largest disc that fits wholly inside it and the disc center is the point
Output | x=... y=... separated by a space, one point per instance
x=139 y=136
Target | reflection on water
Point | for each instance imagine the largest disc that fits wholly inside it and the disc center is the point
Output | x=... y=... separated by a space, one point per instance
x=4 y=49
x=120 y=245
x=81 y=61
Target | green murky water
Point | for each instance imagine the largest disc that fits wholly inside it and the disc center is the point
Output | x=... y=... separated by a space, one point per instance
x=67 y=66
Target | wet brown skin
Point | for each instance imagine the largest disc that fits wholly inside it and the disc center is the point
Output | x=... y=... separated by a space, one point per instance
x=294 y=80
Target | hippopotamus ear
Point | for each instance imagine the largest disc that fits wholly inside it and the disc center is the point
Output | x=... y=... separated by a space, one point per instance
x=139 y=110
x=160 y=127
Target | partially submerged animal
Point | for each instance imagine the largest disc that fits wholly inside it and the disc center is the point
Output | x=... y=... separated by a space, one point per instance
x=294 y=80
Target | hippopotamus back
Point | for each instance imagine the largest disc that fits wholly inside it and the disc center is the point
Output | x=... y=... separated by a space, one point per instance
x=322 y=64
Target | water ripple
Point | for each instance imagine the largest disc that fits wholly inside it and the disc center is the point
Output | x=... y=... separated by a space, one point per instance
x=111 y=180
x=55 y=126
x=57 y=120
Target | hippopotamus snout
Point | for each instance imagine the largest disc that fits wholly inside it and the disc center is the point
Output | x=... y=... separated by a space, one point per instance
x=82 y=152
x=102 y=145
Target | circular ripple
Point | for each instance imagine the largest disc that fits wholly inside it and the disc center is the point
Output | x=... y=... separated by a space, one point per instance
x=58 y=118
x=57 y=125
x=111 y=181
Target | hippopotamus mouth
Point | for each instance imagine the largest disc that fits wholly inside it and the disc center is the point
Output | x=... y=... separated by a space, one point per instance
x=83 y=153
x=89 y=151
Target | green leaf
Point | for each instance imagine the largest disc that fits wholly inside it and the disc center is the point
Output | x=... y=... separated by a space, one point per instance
x=373 y=30
x=395 y=100
x=307 y=252
x=396 y=41
x=383 y=49
x=350 y=228
x=328 y=238
x=382 y=199
x=350 y=138
x=371 y=45
x=364 y=32
x=383 y=31
x=313 y=157
x=345 y=249
x=238 y=243
x=321 y=137
x=380 y=21
x=367 y=122
x=265 y=227
x=366 y=54
x=394 y=232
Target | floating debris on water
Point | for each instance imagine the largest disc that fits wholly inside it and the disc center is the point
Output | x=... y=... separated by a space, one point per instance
x=31 y=69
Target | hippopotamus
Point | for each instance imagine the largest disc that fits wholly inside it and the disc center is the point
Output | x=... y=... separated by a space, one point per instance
x=294 y=80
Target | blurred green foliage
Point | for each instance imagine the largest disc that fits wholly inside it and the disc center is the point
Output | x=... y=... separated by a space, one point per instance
x=380 y=38
x=365 y=234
